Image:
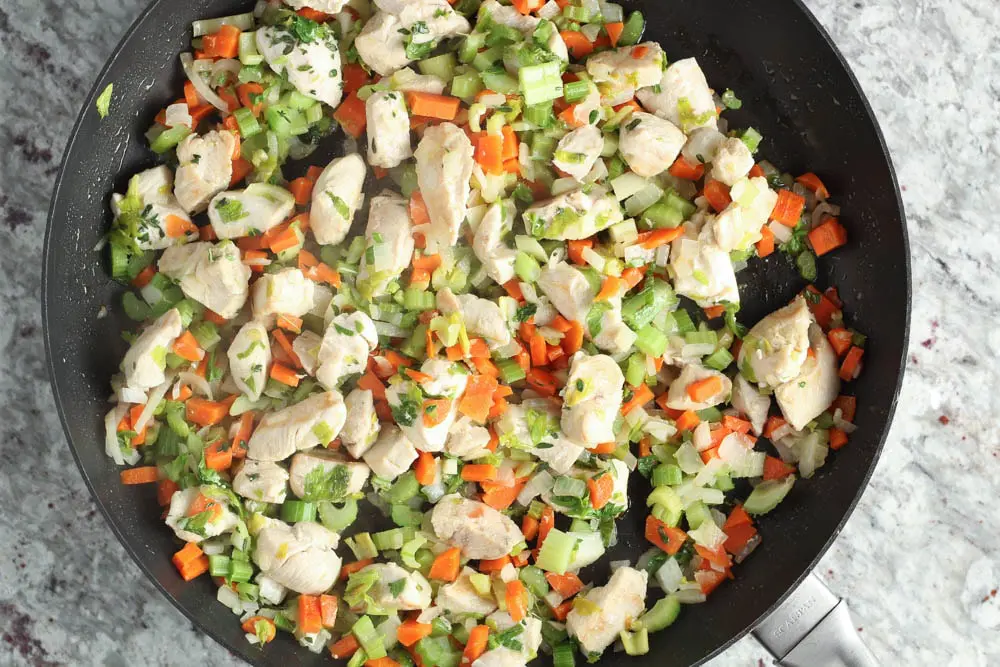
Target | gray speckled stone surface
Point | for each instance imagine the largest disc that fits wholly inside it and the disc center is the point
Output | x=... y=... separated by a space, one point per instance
x=917 y=561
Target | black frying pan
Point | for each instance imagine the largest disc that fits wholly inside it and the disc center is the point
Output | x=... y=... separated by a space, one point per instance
x=796 y=90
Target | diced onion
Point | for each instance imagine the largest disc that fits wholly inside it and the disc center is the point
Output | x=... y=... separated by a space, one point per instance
x=701 y=437
x=839 y=422
x=230 y=598
x=111 y=421
x=590 y=30
x=536 y=486
x=563 y=185
x=549 y=10
x=528 y=292
x=618 y=564
x=670 y=576
x=210 y=26
x=131 y=395
x=610 y=12
x=178 y=114
x=197 y=383
x=629 y=460
x=155 y=396
x=690 y=594
x=697 y=349
x=206 y=93
x=594 y=259
x=390 y=330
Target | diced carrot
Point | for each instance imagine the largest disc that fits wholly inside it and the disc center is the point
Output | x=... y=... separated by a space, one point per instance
x=702 y=390
x=191 y=96
x=355 y=77
x=738 y=516
x=562 y=611
x=640 y=396
x=788 y=209
x=579 y=46
x=614 y=31
x=435 y=411
x=543 y=382
x=604 y=448
x=223 y=44
x=537 y=349
x=640 y=51
x=446 y=566
x=567 y=585
x=737 y=537
x=314 y=14
x=350 y=568
x=517 y=600
x=773 y=424
x=735 y=424
x=713 y=312
x=813 y=183
x=489 y=153
x=851 y=367
x=281 y=338
x=186 y=346
x=828 y=236
x=418 y=210
x=822 y=308
x=301 y=188
x=309 y=618
x=430 y=105
x=525 y=7
x=709 y=454
x=323 y=273
x=351 y=115
x=665 y=537
x=477 y=642
x=345 y=647
x=219 y=456
x=479 y=472
x=285 y=241
x=765 y=246
x=600 y=488
x=545 y=523
x=490 y=565
x=498 y=496
x=424 y=468
x=658 y=237
x=838 y=438
x=410 y=632
x=529 y=527
x=426 y=262
x=178 y=226
x=510 y=144
x=717 y=195
x=289 y=323
x=205 y=413
x=478 y=397
x=847 y=405
x=165 y=490
x=717 y=557
x=841 y=340
x=144 y=276
x=513 y=288
x=284 y=375
x=709 y=580
x=610 y=288
x=775 y=468
x=685 y=170
x=190 y=561
x=140 y=475
x=573 y=340
x=633 y=275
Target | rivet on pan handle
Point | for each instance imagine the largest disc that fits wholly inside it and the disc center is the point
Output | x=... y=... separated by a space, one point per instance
x=813 y=628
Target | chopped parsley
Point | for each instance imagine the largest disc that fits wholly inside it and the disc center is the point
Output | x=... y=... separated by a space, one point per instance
x=103 y=102
x=230 y=210
x=324 y=483
x=525 y=312
x=396 y=587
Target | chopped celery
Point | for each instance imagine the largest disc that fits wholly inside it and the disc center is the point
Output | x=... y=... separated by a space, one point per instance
x=635 y=373
x=642 y=308
x=437 y=652
x=534 y=579
x=562 y=655
x=362 y=546
x=405 y=516
x=635 y=643
x=248 y=49
x=497 y=80
x=294 y=511
x=510 y=371
x=556 y=552
x=247 y=123
x=469 y=49
x=701 y=338
x=662 y=216
x=486 y=59
x=632 y=32
x=667 y=474
x=526 y=267
x=683 y=321
x=372 y=642
x=751 y=138
x=697 y=513
x=540 y=83
x=766 y=495
x=466 y=86
x=389 y=539
x=338 y=518
x=540 y=115
x=442 y=66
x=650 y=340
x=404 y=488
x=661 y=615
x=574 y=91
x=712 y=414
x=169 y=138
x=719 y=360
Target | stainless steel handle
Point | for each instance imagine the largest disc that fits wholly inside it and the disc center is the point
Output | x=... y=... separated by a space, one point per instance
x=813 y=628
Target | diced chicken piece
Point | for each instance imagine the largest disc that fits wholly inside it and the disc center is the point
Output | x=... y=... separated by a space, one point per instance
x=381 y=43
x=336 y=196
x=145 y=362
x=615 y=337
x=315 y=421
x=151 y=213
x=813 y=390
x=649 y=144
x=497 y=258
x=501 y=656
x=299 y=557
x=583 y=111
x=415 y=594
x=620 y=602
x=530 y=638
x=204 y=168
x=287 y=292
x=620 y=72
x=568 y=290
x=703 y=272
x=461 y=597
x=325 y=6
x=467 y=439
x=677 y=395
x=392 y=454
x=533 y=425
x=306 y=347
x=389 y=242
x=447 y=381
x=362 y=429
x=388 y=129
x=263 y=481
x=474 y=527
x=738 y=227
x=329 y=484
x=440 y=19
x=313 y=67
x=406 y=80
x=193 y=525
x=733 y=161
x=210 y=273
x=249 y=358
x=444 y=167
x=573 y=215
x=348 y=340
x=702 y=145
x=578 y=150
x=253 y=210
x=482 y=317
x=592 y=399
x=751 y=403
x=684 y=97
x=775 y=348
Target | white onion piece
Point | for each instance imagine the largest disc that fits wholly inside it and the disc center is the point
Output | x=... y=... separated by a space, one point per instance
x=839 y=422
x=226 y=65
x=111 y=421
x=230 y=598
x=536 y=486
x=630 y=461
x=549 y=10
x=822 y=210
x=155 y=396
x=697 y=349
x=206 y=93
x=701 y=437
x=390 y=330
x=670 y=576
x=197 y=383
x=690 y=595
x=131 y=395
x=529 y=293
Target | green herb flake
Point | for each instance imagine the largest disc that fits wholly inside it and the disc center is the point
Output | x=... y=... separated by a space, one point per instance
x=104 y=101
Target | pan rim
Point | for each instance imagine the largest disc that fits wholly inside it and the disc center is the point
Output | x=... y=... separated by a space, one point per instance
x=74 y=135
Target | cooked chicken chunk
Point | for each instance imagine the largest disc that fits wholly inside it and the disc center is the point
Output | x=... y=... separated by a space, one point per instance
x=204 y=169
x=299 y=557
x=444 y=167
x=348 y=340
x=392 y=454
x=313 y=67
x=314 y=475
x=388 y=129
x=620 y=602
x=249 y=357
x=592 y=399
x=210 y=273
x=315 y=421
x=287 y=292
x=362 y=429
x=264 y=481
x=476 y=528
x=336 y=196
x=253 y=210
x=649 y=144
x=146 y=360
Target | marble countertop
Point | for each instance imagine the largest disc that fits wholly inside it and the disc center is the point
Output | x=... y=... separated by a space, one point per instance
x=920 y=559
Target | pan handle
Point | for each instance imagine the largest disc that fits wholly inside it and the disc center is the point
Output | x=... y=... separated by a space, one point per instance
x=813 y=628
